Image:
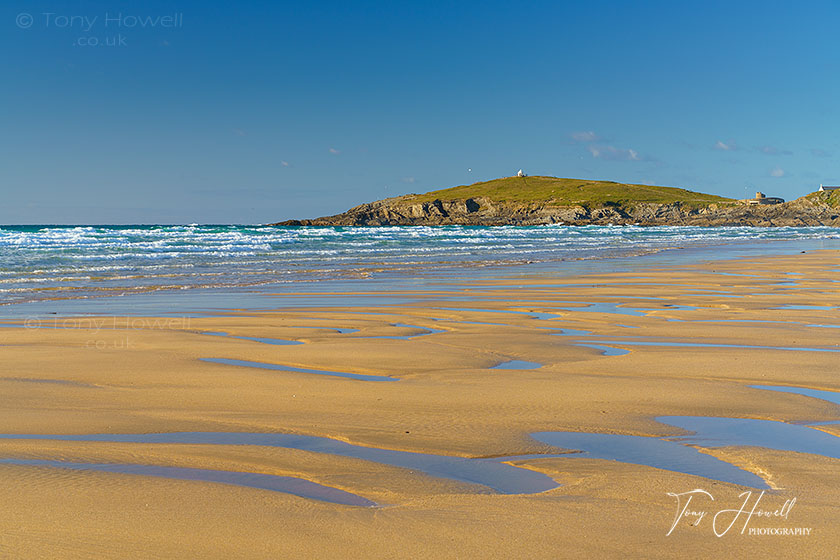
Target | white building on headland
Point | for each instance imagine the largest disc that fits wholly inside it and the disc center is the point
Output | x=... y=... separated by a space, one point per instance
x=825 y=188
x=521 y=173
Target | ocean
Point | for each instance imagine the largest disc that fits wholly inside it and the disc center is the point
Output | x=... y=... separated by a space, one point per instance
x=59 y=263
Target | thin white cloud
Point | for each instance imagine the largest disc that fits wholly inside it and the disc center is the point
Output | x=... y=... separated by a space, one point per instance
x=820 y=153
x=585 y=136
x=334 y=151
x=729 y=146
x=285 y=163
x=774 y=151
x=409 y=180
x=239 y=132
x=777 y=172
x=612 y=153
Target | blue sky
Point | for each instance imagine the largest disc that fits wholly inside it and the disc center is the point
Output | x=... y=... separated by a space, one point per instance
x=251 y=112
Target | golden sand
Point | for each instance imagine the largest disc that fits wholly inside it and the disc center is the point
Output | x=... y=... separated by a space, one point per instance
x=146 y=375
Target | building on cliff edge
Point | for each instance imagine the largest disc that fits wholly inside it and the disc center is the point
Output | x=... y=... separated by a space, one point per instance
x=760 y=198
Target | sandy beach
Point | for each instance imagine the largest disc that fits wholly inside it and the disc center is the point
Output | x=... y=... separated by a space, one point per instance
x=669 y=341
x=409 y=281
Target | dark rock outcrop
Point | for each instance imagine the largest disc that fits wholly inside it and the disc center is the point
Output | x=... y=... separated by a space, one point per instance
x=813 y=210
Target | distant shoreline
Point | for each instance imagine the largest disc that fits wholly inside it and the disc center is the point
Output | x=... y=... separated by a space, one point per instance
x=533 y=201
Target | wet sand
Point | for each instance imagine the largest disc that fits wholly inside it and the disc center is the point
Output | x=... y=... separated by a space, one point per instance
x=743 y=318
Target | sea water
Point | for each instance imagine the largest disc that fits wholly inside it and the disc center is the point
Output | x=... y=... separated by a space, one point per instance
x=65 y=263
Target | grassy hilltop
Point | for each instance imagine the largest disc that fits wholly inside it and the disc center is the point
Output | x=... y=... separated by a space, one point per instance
x=570 y=192
x=829 y=198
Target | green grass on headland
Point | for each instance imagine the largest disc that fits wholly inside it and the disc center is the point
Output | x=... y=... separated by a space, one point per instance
x=832 y=198
x=570 y=192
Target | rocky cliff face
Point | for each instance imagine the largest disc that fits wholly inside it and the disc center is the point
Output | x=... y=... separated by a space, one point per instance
x=814 y=210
